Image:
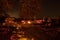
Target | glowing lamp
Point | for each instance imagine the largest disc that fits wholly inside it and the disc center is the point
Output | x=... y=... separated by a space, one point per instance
x=29 y=22
x=23 y=21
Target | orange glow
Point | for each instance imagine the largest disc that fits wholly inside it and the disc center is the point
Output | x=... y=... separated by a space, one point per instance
x=29 y=22
x=32 y=39
x=38 y=21
x=4 y=23
x=23 y=39
x=23 y=21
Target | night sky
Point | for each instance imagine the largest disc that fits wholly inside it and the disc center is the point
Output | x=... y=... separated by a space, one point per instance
x=27 y=8
x=51 y=8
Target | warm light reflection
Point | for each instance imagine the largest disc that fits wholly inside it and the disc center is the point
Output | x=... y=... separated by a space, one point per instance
x=23 y=39
x=26 y=39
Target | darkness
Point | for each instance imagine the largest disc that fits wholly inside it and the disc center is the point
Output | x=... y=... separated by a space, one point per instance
x=43 y=29
x=51 y=8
